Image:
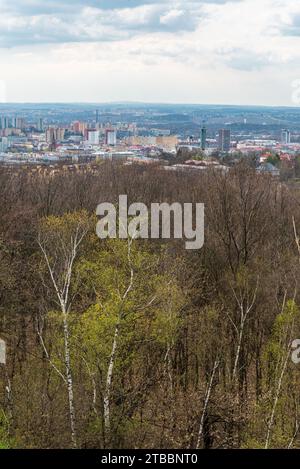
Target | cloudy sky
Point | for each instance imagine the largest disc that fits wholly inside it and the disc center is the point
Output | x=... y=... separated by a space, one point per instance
x=201 y=51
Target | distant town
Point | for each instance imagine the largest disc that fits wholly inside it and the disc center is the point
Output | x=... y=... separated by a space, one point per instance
x=181 y=137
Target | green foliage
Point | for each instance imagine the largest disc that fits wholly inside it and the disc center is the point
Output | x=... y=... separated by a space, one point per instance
x=283 y=325
x=198 y=157
x=279 y=378
x=274 y=160
x=150 y=310
x=5 y=440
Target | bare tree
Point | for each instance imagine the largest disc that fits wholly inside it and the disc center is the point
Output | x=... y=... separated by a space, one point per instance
x=60 y=251
x=245 y=302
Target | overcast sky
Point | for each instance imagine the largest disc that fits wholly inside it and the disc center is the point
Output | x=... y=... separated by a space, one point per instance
x=181 y=51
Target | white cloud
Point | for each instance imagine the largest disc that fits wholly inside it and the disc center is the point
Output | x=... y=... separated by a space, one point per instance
x=196 y=51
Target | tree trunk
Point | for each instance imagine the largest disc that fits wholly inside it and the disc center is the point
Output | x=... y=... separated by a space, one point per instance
x=106 y=400
x=70 y=382
x=206 y=402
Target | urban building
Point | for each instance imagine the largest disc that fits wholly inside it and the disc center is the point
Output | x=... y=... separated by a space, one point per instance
x=4 y=122
x=167 y=143
x=268 y=168
x=224 y=140
x=79 y=127
x=93 y=137
x=18 y=123
x=40 y=125
x=203 y=137
x=111 y=137
x=50 y=135
x=60 y=134
x=54 y=135
x=4 y=144
x=142 y=141
x=285 y=137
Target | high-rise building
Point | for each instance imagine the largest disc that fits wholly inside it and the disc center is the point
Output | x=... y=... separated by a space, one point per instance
x=40 y=125
x=55 y=134
x=93 y=137
x=111 y=137
x=60 y=134
x=285 y=137
x=203 y=137
x=4 y=144
x=224 y=140
x=18 y=123
x=4 y=122
x=79 y=127
x=51 y=136
x=75 y=127
x=82 y=126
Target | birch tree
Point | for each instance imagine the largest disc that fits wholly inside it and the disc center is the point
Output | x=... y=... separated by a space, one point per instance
x=279 y=353
x=245 y=299
x=59 y=241
x=132 y=305
x=206 y=401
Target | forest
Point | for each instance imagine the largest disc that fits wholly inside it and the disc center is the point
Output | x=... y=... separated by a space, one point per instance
x=142 y=343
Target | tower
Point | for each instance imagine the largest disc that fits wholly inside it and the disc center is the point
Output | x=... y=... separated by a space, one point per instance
x=203 y=136
x=40 y=125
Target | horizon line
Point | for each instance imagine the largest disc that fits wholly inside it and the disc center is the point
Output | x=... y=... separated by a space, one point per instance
x=146 y=103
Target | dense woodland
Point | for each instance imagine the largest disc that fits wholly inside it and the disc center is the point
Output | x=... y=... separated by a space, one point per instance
x=143 y=344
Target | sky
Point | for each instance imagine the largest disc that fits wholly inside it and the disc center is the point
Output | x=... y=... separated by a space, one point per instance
x=170 y=51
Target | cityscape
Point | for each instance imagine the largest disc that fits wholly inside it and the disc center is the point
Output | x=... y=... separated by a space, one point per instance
x=143 y=133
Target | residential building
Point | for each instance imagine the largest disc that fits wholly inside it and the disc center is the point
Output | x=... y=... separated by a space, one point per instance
x=224 y=140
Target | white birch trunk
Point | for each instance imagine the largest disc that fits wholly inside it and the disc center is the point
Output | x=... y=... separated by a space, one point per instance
x=238 y=352
x=276 y=398
x=62 y=290
x=70 y=383
x=109 y=376
x=206 y=402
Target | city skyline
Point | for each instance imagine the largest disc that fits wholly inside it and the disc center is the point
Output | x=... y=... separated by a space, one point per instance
x=208 y=52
